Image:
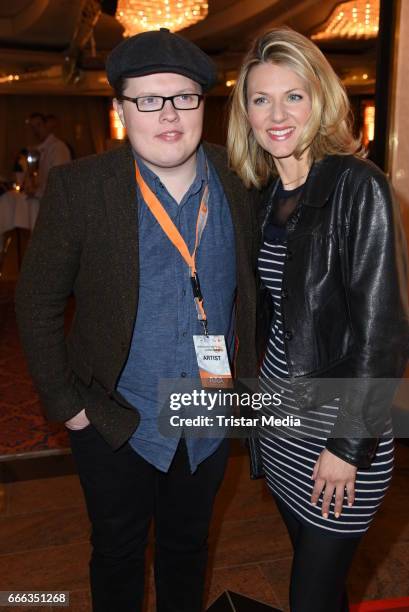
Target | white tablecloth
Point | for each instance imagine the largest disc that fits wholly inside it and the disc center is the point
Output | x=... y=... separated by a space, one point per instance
x=17 y=210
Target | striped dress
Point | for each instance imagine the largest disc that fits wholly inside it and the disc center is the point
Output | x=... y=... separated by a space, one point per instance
x=289 y=453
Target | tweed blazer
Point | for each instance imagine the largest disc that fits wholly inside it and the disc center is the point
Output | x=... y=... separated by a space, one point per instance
x=86 y=243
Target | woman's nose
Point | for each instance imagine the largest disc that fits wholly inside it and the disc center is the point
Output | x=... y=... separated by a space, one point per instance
x=278 y=112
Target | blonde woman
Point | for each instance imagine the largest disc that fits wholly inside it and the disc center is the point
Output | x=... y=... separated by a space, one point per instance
x=332 y=266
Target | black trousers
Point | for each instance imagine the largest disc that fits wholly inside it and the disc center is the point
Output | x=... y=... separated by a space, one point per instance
x=320 y=566
x=123 y=493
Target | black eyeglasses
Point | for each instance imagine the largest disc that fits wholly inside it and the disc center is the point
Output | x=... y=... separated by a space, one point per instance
x=150 y=104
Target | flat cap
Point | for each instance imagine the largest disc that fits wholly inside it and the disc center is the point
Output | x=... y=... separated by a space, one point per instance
x=160 y=51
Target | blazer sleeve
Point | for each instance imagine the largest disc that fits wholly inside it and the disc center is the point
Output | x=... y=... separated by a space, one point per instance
x=46 y=281
x=376 y=285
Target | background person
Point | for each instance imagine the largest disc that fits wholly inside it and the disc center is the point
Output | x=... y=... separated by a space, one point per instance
x=52 y=150
x=333 y=267
x=53 y=123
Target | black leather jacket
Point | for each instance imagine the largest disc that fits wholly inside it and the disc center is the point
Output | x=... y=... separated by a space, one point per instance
x=344 y=299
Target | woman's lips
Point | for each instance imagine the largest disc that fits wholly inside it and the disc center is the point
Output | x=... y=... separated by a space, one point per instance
x=170 y=136
x=280 y=134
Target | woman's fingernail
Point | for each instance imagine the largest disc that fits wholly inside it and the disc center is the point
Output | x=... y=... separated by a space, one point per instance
x=336 y=514
x=350 y=504
x=325 y=515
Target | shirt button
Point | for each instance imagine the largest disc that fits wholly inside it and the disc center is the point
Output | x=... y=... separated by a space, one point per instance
x=284 y=294
x=183 y=374
x=288 y=335
x=184 y=334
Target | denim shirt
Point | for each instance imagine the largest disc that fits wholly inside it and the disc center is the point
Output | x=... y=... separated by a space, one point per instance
x=162 y=343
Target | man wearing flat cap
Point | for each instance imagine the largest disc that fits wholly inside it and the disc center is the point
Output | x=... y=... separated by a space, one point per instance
x=130 y=232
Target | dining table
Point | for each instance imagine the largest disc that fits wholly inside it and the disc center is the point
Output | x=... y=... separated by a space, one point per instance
x=17 y=211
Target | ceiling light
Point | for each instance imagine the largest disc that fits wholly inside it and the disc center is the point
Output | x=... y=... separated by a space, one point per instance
x=354 y=19
x=143 y=15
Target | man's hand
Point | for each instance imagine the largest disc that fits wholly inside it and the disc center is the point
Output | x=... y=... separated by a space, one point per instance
x=79 y=421
x=335 y=475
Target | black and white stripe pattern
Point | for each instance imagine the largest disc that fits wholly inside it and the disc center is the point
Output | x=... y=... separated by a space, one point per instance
x=289 y=454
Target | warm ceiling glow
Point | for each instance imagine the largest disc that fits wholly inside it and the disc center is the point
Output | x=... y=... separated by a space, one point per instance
x=117 y=130
x=142 y=15
x=353 y=79
x=369 y=124
x=354 y=19
x=9 y=78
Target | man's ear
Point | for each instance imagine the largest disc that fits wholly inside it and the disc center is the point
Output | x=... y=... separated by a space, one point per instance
x=118 y=107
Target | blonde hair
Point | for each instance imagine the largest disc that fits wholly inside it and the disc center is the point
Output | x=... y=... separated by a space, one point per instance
x=328 y=129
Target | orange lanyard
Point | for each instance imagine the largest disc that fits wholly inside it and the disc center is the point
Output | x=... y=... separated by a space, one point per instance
x=177 y=240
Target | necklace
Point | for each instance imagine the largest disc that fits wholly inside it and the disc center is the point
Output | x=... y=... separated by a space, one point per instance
x=295 y=180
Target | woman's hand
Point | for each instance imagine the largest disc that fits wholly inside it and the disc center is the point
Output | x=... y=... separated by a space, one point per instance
x=333 y=474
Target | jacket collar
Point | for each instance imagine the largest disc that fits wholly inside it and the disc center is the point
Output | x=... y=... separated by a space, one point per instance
x=320 y=183
x=321 y=180
x=122 y=165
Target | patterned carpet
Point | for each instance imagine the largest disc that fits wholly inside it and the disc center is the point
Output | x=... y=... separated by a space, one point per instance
x=24 y=432
x=384 y=605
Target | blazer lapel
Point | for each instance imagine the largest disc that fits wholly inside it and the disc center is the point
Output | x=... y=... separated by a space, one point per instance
x=238 y=200
x=122 y=211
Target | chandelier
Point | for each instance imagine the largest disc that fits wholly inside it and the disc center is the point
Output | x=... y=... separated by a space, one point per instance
x=142 y=15
x=354 y=19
